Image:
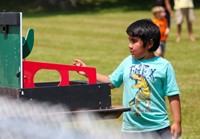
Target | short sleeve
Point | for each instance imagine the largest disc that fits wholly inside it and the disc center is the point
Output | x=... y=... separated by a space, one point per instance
x=170 y=84
x=116 y=78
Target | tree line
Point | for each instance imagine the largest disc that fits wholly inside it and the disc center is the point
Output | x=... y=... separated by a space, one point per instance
x=75 y=5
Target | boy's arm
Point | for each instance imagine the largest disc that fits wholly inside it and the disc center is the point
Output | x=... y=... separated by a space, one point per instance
x=175 y=105
x=100 y=77
x=104 y=78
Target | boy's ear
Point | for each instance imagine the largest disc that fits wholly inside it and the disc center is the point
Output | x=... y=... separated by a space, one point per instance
x=150 y=44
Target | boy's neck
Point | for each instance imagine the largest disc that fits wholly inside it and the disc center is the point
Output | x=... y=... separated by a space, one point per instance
x=149 y=56
x=159 y=18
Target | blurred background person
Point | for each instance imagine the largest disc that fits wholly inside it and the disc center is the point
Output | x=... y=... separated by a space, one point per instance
x=184 y=8
x=168 y=10
x=161 y=21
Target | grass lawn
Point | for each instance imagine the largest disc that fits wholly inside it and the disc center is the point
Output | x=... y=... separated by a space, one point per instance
x=100 y=40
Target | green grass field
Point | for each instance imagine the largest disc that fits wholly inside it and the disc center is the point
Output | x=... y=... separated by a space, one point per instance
x=100 y=40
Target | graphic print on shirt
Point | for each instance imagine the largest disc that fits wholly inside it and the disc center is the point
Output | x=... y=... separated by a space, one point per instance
x=139 y=73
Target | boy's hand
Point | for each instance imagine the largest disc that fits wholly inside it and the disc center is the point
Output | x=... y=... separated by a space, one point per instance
x=79 y=63
x=176 y=131
x=167 y=31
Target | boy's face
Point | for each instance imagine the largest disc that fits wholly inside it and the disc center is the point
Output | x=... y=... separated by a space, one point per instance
x=161 y=14
x=136 y=48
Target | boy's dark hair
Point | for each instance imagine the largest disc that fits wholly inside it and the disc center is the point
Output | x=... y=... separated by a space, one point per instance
x=147 y=31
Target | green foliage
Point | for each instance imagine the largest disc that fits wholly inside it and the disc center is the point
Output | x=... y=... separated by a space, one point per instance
x=74 y=6
x=100 y=40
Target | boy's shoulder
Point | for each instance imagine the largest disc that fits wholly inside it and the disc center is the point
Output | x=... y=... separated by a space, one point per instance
x=163 y=20
x=128 y=58
x=162 y=60
x=164 y=63
x=158 y=61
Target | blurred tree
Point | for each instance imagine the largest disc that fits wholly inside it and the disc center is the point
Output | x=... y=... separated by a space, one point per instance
x=76 y=5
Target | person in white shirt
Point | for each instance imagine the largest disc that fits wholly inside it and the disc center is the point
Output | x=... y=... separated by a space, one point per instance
x=184 y=8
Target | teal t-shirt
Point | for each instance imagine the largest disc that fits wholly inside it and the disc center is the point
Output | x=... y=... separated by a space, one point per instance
x=146 y=83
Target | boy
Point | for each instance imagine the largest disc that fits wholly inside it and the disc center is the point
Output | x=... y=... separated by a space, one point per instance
x=161 y=22
x=147 y=80
x=168 y=9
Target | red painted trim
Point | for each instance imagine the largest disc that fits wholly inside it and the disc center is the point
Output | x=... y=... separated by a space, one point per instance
x=30 y=68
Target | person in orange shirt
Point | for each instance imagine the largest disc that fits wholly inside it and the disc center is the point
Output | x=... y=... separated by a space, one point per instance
x=161 y=21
